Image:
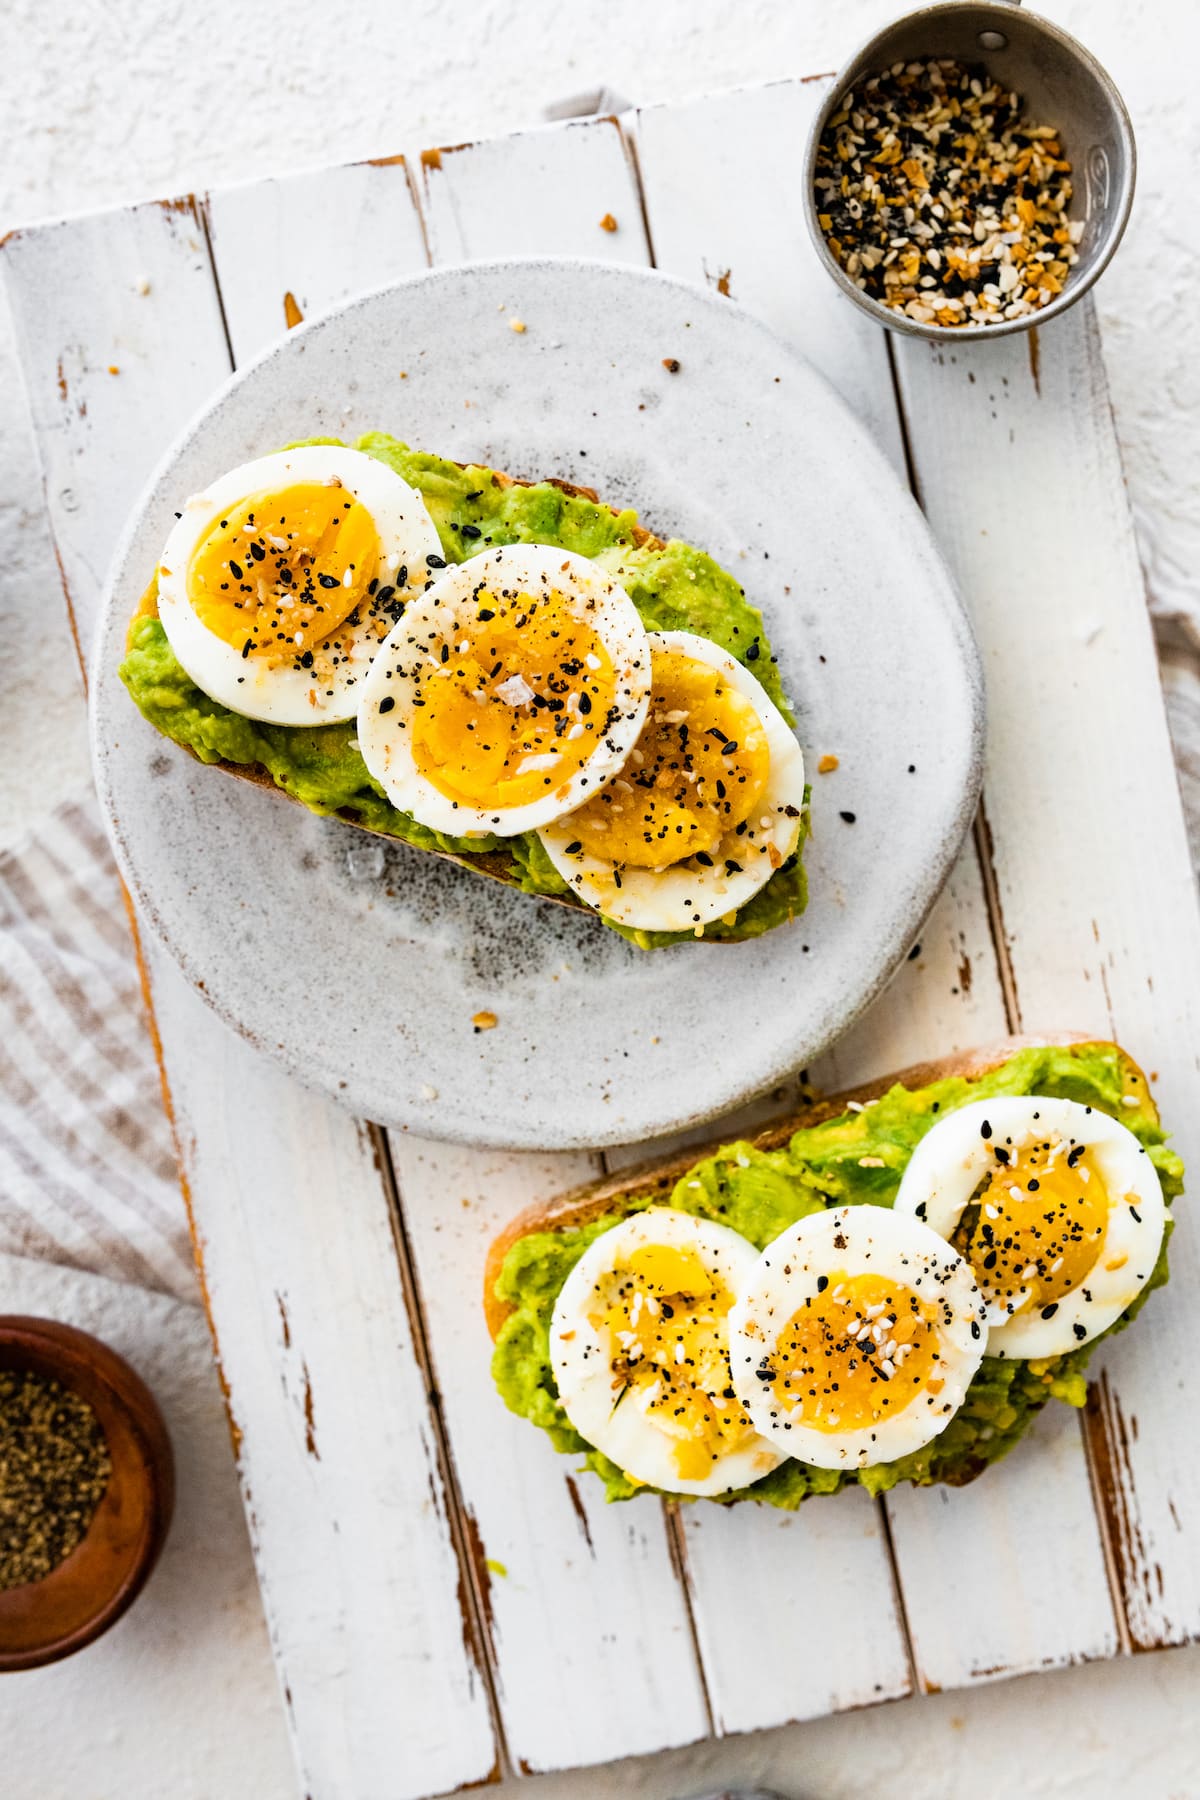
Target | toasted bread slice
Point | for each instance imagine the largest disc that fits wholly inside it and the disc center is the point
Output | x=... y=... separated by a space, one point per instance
x=494 y=863
x=658 y=1177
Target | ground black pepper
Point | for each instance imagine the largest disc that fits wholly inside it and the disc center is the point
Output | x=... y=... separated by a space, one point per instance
x=54 y=1468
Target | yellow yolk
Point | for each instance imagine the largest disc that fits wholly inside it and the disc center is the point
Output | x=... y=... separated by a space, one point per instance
x=666 y=1314
x=1033 y=1232
x=697 y=771
x=523 y=696
x=276 y=574
x=856 y=1352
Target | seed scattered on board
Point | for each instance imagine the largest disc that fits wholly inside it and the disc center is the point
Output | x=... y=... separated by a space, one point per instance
x=941 y=200
x=485 y=1021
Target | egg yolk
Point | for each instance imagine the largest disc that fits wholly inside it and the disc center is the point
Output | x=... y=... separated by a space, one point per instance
x=856 y=1352
x=665 y=1311
x=1034 y=1229
x=697 y=772
x=279 y=572
x=519 y=699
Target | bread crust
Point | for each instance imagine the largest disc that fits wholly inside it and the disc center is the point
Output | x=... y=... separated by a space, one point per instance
x=658 y=1176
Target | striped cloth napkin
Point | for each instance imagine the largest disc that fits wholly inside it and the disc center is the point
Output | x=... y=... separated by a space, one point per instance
x=87 y=1165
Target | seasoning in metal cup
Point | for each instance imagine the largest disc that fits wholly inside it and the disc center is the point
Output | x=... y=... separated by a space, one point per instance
x=941 y=200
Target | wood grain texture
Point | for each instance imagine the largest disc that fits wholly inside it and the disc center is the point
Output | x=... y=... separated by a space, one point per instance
x=290 y=248
x=256 y=1151
x=1019 y=471
x=588 y=1627
x=345 y=1491
x=541 y=192
x=718 y=198
x=119 y=331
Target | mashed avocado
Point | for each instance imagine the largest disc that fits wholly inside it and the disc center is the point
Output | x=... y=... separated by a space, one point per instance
x=674 y=587
x=761 y=1192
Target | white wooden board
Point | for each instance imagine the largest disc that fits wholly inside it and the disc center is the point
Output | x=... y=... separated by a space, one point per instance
x=289 y=248
x=440 y=1588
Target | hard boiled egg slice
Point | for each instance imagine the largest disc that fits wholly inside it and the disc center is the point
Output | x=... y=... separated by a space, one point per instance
x=281 y=580
x=706 y=807
x=639 y=1349
x=507 y=694
x=1056 y=1206
x=855 y=1337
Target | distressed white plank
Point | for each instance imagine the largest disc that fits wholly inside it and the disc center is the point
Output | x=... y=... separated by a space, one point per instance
x=966 y=1563
x=590 y=1640
x=590 y=1636
x=806 y=1587
x=291 y=247
x=285 y=1196
x=119 y=331
x=541 y=192
x=378 y=1649
x=1019 y=469
x=711 y=210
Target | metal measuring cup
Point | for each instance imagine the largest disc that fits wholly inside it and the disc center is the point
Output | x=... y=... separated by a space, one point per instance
x=1060 y=84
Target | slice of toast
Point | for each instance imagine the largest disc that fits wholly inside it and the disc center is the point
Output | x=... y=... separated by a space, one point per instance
x=658 y=1177
x=493 y=863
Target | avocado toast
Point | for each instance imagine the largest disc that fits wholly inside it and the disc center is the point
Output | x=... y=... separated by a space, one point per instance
x=674 y=588
x=848 y=1152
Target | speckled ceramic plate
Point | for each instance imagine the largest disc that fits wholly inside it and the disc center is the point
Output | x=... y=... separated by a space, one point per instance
x=388 y=952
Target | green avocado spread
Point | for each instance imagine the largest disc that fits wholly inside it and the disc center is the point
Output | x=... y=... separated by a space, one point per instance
x=673 y=586
x=856 y=1158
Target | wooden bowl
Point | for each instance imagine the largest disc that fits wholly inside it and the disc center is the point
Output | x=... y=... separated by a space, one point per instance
x=45 y=1620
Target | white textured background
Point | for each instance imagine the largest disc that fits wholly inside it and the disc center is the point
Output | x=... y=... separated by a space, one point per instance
x=108 y=100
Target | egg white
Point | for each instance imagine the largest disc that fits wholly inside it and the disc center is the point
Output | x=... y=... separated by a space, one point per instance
x=581 y=1355
x=851 y=1240
x=687 y=895
x=407 y=660
x=952 y=1159
x=291 y=695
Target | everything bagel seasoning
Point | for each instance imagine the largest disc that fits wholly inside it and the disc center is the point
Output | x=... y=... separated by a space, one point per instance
x=941 y=200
